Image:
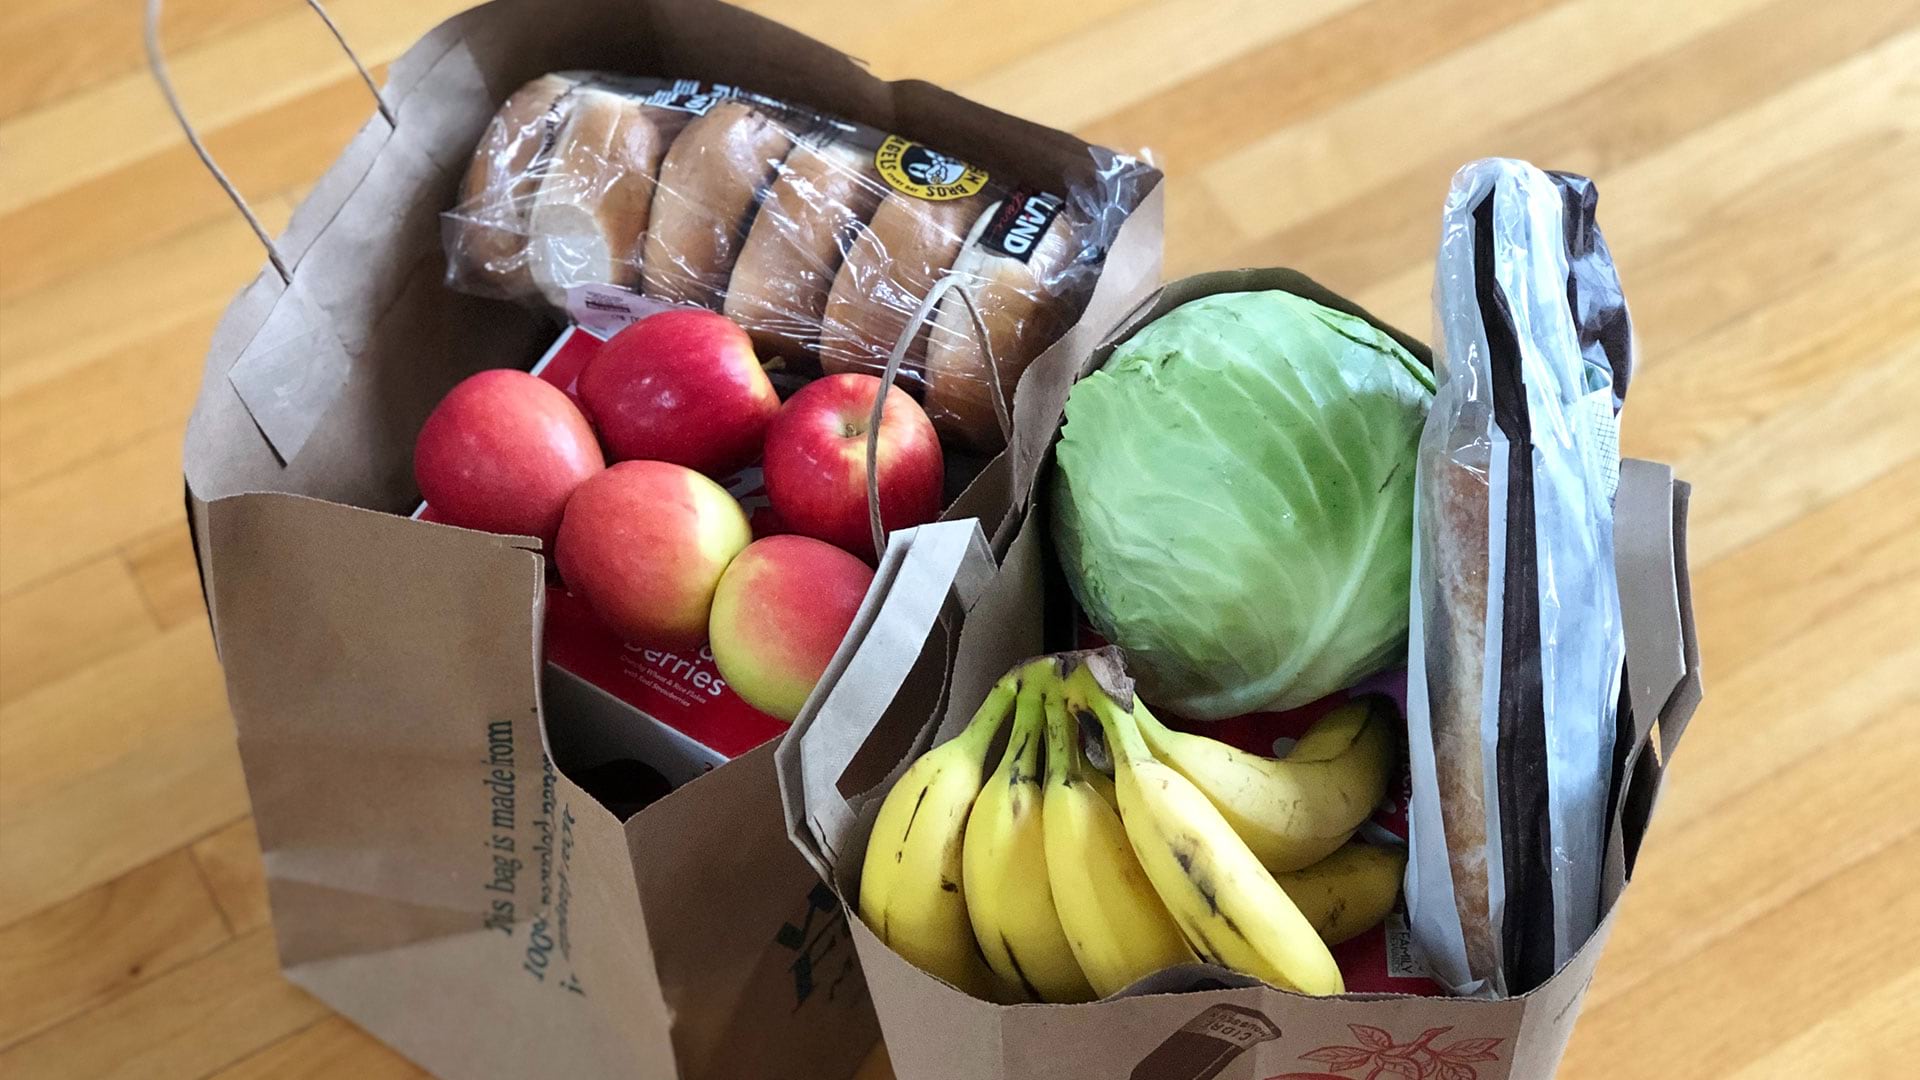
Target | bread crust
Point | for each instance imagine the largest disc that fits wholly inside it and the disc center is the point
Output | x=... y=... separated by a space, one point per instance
x=819 y=198
x=1023 y=315
x=489 y=221
x=893 y=261
x=596 y=192
x=1455 y=533
x=711 y=182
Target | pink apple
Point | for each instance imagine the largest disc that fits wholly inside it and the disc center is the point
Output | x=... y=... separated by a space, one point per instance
x=779 y=613
x=644 y=544
x=816 y=462
x=682 y=386
x=502 y=452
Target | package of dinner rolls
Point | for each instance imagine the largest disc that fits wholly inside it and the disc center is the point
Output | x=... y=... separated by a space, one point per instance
x=1516 y=643
x=820 y=236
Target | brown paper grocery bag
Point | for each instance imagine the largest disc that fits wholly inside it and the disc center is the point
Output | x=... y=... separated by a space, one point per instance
x=436 y=879
x=949 y=622
x=435 y=871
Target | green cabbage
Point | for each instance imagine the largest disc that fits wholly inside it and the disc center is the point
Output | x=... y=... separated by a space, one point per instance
x=1233 y=501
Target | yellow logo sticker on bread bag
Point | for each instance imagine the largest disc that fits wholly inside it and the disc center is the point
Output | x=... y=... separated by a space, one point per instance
x=913 y=169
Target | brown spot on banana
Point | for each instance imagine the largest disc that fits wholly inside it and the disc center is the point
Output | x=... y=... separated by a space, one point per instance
x=913 y=817
x=1019 y=971
x=1203 y=946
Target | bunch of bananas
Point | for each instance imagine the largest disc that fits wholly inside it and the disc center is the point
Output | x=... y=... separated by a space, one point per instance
x=1049 y=881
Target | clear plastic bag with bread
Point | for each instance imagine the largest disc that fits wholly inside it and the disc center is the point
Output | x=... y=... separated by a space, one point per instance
x=1516 y=646
x=820 y=236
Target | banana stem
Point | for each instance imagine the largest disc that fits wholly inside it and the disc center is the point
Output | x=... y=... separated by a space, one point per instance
x=1123 y=736
x=1022 y=761
x=992 y=712
x=1063 y=749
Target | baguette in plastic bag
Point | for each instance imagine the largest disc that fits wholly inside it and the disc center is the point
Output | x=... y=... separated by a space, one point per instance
x=1516 y=646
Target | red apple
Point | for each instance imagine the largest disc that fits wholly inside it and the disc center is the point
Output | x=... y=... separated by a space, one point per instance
x=779 y=613
x=502 y=452
x=682 y=386
x=644 y=544
x=816 y=462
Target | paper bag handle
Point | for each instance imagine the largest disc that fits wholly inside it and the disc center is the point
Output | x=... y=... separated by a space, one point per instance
x=156 y=60
x=923 y=571
x=1663 y=652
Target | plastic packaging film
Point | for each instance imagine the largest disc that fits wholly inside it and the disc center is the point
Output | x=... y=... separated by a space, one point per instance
x=819 y=236
x=1516 y=643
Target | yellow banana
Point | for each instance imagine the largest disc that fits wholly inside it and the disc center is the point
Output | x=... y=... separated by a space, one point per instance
x=1114 y=921
x=1005 y=862
x=1103 y=784
x=1292 y=811
x=1349 y=892
x=1229 y=907
x=910 y=884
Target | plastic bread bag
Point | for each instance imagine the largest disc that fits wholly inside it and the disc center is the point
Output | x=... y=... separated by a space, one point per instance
x=820 y=236
x=1516 y=647
x=560 y=188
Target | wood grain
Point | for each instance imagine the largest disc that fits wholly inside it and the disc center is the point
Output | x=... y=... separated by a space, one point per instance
x=183 y=1025
x=229 y=861
x=67 y=958
x=329 y=1049
x=1756 y=162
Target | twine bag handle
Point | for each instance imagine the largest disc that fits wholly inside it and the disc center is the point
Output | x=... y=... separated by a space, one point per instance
x=156 y=61
x=895 y=359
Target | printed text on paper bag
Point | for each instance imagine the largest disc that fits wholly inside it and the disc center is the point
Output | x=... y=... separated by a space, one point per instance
x=548 y=936
x=823 y=946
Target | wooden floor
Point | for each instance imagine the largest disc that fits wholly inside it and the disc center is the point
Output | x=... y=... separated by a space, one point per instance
x=1759 y=165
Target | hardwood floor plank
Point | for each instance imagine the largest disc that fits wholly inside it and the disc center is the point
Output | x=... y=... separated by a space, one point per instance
x=331 y=1048
x=95 y=221
x=163 y=568
x=1316 y=164
x=1842 y=802
x=1792 y=462
x=230 y=861
x=1810 y=339
x=260 y=65
x=976 y=37
x=1142 y=53
x=129 y=392
x=113 y=767
x=68 y=621
x=1677 y=192
x=1820 y=569
x=1758 y=988
x=52 y=49
x=88 y=512
x=1599 y=131
x=68 y=958
x=181 y=1026
x=1764 y=242
x=55 y=331
x=1876 y=1038
x=1284 y=81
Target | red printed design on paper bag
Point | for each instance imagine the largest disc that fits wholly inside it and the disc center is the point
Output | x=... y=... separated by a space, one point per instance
x=1378 y=1056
